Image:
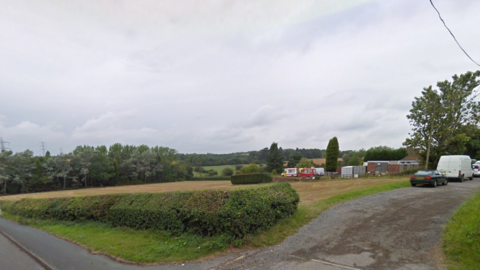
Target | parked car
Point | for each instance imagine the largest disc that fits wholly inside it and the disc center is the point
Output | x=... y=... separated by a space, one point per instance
x=476 y=170
x=458 y=167
x=428 y=177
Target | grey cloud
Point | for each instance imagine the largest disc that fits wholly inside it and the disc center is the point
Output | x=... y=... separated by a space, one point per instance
x=222 y=77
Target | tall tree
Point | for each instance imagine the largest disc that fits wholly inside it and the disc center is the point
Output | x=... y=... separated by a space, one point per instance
x=275 y=159
x=332 y=155
x=21 y=167
x=439 y=117
x=82 y=157
x=4 y=175
x=294 y=159
x=304 y=163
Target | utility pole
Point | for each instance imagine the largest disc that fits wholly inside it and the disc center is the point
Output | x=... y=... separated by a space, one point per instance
x=61 y=151
x=2 y=145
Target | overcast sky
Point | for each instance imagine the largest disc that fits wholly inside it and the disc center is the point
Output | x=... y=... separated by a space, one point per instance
x=223 y=76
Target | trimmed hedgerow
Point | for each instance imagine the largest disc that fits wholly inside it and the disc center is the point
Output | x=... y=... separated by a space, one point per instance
x=210 y=212
x=253 y=178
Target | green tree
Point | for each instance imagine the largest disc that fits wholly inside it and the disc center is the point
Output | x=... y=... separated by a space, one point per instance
x=227 y=172
x=332 y=155
x=275 y=159
x=21 y=167
x=4 y=175
x=116 y=172
x=252 y=168
x=294 y=159
x=440 y=117
x=304 y=163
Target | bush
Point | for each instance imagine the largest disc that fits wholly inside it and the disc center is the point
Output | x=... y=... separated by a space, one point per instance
x=254 y=178
x=252 y=168
x=212 y=172
x=210 y=212
x=227 y=172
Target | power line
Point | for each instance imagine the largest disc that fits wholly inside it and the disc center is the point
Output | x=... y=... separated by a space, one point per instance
x=440 y=16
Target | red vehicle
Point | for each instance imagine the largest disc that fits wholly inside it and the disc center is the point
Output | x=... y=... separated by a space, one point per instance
x=308 y=173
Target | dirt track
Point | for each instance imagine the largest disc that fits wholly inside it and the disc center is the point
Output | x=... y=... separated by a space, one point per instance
x=310 y=192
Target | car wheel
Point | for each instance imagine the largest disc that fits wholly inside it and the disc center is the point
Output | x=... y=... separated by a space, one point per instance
x=414 y=185
x=446 y=182
x=434 y=184
x=471 y=178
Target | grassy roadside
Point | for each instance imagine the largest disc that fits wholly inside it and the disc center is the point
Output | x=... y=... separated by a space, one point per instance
x=149 y=246
x=461 y=237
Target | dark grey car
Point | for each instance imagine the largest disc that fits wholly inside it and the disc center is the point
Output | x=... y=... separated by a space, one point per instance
x=428 y=177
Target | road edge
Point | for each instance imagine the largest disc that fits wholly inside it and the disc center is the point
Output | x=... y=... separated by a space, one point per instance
x=32 y=255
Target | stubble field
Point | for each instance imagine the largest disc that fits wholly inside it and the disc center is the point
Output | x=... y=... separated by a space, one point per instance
x=310 y=192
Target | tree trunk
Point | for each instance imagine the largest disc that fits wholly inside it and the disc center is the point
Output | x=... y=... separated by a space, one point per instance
x=64 y=182
x=5 y=188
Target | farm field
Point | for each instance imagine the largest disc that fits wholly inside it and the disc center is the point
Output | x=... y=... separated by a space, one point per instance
x=310 y=192
x=218 y=168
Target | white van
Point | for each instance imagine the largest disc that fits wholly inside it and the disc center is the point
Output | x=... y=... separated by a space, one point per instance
x=456 y=167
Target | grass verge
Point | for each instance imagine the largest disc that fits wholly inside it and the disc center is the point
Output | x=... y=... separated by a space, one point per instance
x=151 y=246
x=461 y=237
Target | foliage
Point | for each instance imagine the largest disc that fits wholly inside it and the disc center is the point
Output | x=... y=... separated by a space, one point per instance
x=332 y=155
x=91 y=166
x=385 y=153
x=252 y=168
x=5 y=177
x=304 y=163
x=294 y=159
x=462 y=236
x=153 y=246
x=209 y=212
x=440 y=117
x=210 y=178
x=275 y=158
x=227 y=172
x=353 y=158
x=253 y=178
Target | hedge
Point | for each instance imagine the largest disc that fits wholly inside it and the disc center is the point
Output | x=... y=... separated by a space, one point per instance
x=209 y=178
x=253 y=178
x=211 y=212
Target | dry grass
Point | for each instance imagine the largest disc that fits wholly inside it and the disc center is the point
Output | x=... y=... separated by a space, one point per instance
x=310 y=192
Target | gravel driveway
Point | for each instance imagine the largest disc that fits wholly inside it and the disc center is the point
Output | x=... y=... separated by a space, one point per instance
x=400 y=229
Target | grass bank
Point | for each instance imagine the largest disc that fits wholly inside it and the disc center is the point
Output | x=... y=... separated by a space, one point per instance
x=461 y=237
x=151 y=246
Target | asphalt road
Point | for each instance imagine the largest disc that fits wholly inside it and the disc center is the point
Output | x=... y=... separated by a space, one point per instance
x=399 y=229
x=13 y=258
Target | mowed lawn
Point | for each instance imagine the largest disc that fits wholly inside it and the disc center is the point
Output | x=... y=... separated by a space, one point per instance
x=310 y=192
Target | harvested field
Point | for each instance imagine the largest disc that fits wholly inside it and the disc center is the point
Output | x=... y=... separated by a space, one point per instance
x=310 y=192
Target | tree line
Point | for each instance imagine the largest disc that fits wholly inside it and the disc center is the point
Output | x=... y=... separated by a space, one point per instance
x=89 y=166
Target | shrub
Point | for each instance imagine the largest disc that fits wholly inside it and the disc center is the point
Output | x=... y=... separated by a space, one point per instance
x=227 y=172
x=254 y=178
x=212 y=172
x=252 y=168
x=210 y=212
